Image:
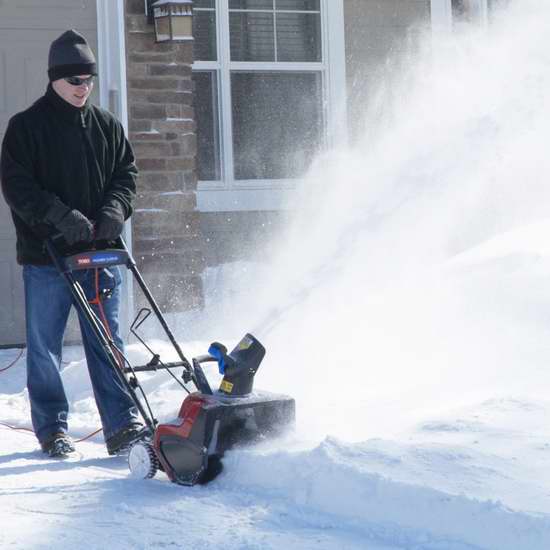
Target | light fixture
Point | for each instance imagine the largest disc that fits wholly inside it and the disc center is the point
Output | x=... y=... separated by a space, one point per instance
x=173 y=20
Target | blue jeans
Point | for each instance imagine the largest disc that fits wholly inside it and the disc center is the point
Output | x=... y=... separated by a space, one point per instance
x=48 y=301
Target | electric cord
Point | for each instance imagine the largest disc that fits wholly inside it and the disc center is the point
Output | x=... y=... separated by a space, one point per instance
x=14 y=361
x=29 y=431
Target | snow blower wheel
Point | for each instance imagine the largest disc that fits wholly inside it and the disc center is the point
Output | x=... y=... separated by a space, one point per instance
x=142 y=460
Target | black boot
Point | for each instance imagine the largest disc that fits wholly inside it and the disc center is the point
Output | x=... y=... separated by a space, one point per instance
x=58 y=445
x=121 y=441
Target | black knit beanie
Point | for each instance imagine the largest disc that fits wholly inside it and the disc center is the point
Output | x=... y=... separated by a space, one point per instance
x=70 y=55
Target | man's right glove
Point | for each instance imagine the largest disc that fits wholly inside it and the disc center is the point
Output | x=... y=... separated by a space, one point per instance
x=110 y=223
x=73 y=224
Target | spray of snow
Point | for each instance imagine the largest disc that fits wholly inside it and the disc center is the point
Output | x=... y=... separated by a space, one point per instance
x=369 y=319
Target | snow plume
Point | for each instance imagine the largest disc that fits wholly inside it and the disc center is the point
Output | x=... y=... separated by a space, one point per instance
x=367 y=317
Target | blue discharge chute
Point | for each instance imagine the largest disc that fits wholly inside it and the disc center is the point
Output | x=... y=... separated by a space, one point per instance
x=219 y=352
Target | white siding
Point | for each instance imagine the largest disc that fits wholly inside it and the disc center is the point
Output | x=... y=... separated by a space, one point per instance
x=27 y=27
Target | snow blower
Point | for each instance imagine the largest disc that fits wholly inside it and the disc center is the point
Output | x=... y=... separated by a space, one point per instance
x=188 y=448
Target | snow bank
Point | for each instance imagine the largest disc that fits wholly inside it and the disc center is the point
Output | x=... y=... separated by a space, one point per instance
x=332 y=481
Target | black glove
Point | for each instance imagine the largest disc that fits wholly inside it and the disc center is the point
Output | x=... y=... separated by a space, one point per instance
x=110 y=223
x=73 y=224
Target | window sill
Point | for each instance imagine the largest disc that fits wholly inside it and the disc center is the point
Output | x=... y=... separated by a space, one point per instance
x=212 y=199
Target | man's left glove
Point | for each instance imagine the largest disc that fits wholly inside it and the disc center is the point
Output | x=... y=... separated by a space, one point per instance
x=71 y=223
x=109 y=224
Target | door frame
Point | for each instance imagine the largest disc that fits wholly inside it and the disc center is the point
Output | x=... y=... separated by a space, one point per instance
x=111 y=44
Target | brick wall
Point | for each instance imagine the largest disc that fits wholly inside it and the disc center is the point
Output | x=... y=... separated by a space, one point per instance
x=166 y=235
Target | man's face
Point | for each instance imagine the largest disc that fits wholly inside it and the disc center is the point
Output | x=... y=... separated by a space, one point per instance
x=76 y=95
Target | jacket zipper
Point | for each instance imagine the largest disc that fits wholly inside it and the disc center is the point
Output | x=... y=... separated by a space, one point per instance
x=82 y=121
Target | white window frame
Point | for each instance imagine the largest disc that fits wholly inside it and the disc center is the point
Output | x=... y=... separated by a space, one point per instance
x=229 y=194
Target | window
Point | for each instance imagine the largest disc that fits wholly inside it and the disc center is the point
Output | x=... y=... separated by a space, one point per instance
x=204 y=30
x=206 y=114
x=277 y=123
x=276 y=32
x=261 y=90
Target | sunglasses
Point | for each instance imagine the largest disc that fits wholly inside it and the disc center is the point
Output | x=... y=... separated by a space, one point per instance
x=77 y=81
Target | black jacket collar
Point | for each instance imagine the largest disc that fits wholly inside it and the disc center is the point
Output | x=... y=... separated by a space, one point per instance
x=69 y=113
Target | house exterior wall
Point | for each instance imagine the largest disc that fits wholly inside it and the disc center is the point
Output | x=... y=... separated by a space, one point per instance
x=165 y=226
x=172 y=239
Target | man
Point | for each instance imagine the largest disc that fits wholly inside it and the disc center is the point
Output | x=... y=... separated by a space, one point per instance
x=67 y=168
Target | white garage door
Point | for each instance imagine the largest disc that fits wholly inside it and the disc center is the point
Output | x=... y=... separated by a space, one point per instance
x=27 y=27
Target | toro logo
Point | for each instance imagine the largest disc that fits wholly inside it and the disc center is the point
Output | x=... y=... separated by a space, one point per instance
x=83 y=261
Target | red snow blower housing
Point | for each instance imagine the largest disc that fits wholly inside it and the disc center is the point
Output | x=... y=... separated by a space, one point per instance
x=190 y=447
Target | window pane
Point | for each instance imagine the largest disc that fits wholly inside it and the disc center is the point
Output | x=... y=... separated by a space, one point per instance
x=252 y=36
x=204 y=32
x=206 y=116
x=250 y=4
x=298 y=37
x=203 y=4
x=302 y=5
x=277 y=123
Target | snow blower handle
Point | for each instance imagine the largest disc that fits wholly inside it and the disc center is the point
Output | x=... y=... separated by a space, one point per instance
x=85 y=255
x=66 y=264
x=86 y=258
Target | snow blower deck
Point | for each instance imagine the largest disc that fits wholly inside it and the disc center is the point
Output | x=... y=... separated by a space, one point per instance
x=188 y=448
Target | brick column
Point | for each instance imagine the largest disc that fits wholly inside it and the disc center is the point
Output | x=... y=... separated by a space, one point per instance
x=166 y=239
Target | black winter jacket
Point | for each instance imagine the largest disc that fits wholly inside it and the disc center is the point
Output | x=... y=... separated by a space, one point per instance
x=54 y=151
